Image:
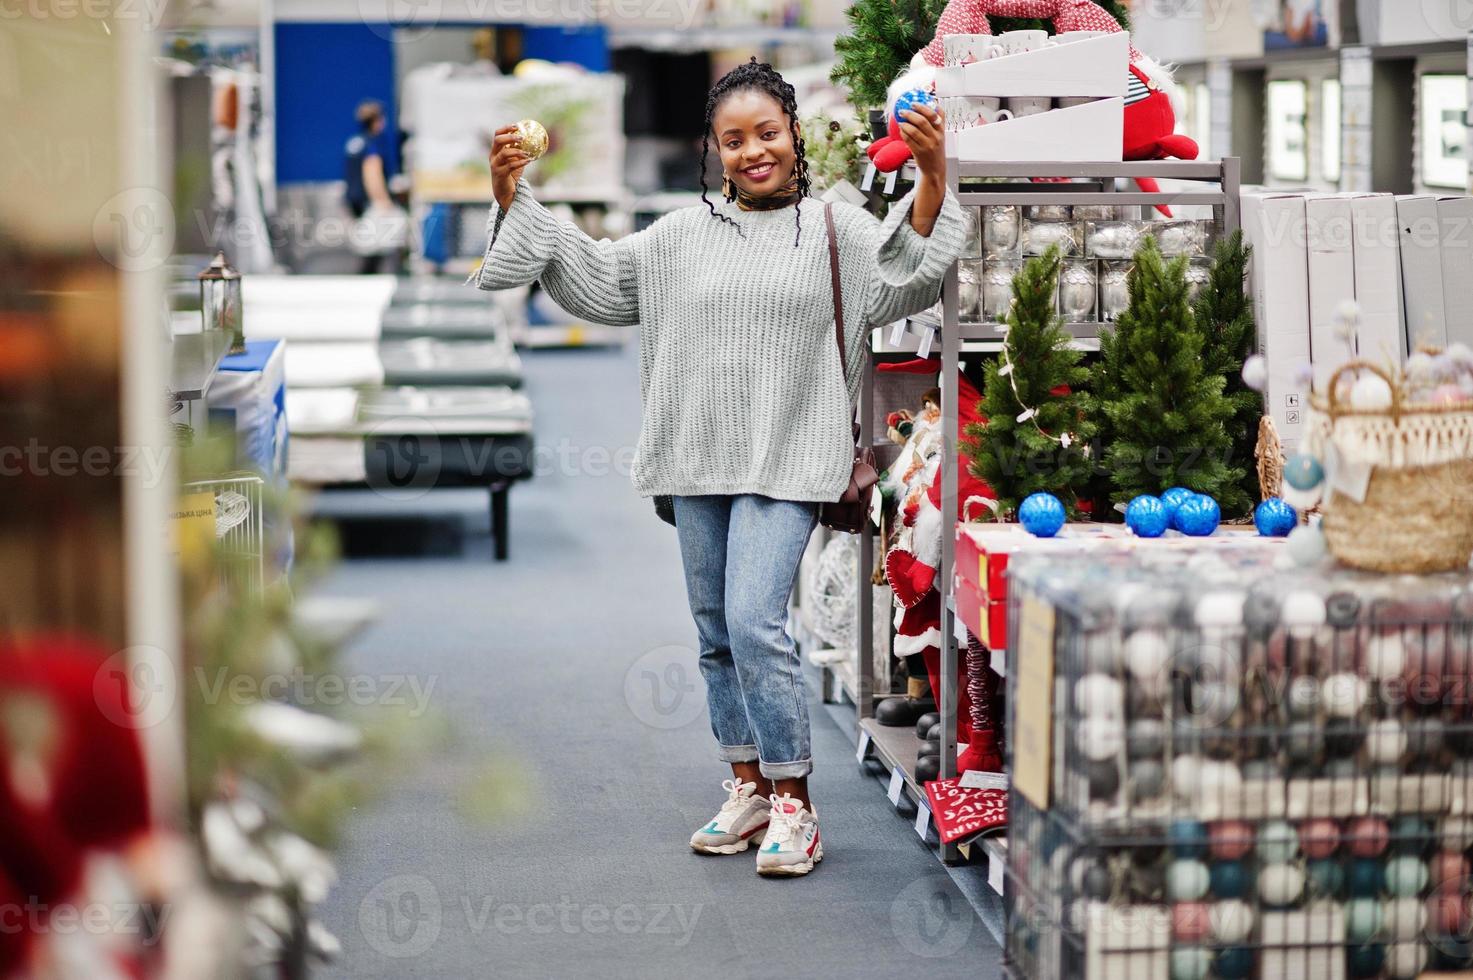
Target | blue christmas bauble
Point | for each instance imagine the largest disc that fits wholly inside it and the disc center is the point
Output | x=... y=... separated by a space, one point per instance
x=910 y=99
x=1274 y=518
x=1041 y=514
x=1198 y=516
x=1147 y=516
x=1230 y=879
x=1303 y=472
x=1235 y=963
x=1173 y=499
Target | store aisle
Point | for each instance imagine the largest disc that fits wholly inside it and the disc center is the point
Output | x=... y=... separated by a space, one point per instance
x=574 y=663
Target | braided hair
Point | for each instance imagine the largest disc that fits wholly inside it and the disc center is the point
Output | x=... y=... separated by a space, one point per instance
x=759 y=77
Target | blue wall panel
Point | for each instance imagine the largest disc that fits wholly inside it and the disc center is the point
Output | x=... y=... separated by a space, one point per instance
x=586 y=46
x=322 y=72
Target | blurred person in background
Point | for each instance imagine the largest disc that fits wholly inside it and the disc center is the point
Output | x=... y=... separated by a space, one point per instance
x=381 y=228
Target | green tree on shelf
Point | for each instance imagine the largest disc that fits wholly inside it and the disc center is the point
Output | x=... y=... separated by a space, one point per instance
x=1038 y=421
x=1224 y=314
x=884 y=35
x=1164 y=414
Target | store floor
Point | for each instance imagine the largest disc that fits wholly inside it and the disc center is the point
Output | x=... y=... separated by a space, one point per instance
x=568 y=673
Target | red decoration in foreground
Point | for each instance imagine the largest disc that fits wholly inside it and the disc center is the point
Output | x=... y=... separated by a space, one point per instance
x=960 y=812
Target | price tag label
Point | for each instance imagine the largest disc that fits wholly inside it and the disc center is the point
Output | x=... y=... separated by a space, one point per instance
x=927 y=338
x=897 y=333
x=867 y=184
x=994 y=872
x=890 y=179
x=976 y=779
x=923 y=820
x=959 y=629
x=863 y=752
x=897 y=785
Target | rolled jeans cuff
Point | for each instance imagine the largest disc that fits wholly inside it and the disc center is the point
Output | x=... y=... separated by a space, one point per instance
x=786 y=770
x=738 y=753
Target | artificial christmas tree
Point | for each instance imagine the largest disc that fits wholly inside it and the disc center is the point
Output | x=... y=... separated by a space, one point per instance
x=1224 y=315
x=833 y=150
x=885 y=35
x=1163 y=416
x=1038 y=423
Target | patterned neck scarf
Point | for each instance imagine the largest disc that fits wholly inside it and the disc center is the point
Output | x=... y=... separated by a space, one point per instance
x=780 y=198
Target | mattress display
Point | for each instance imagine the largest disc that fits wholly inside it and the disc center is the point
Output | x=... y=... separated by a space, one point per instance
x=448 y=292
x=408 y=410
x=408 y=437
x=466 y=320
x=430 y=361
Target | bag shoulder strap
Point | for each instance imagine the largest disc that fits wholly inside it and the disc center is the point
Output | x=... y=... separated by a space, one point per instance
x=828 y=219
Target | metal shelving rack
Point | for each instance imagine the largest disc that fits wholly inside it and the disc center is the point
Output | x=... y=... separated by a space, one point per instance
x=1222 y=195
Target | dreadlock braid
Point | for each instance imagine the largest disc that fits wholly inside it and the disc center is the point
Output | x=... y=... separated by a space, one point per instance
x=760 y=77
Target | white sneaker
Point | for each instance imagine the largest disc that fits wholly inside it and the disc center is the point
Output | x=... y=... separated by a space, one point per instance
x=793 y=846
x=742 y=820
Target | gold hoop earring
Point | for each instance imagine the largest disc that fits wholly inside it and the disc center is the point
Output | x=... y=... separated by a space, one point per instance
x=727 y=191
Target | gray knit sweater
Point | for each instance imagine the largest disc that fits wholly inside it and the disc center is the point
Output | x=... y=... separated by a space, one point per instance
x=739 y=371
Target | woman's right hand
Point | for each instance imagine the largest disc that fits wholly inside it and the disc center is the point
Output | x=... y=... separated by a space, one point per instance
x=507 y=163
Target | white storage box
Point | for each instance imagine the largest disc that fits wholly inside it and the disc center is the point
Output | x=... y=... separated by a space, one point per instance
x=1274 y=225
x=1331 y=281
x=1098 y=67
x=1456 y=214
x=1084 y=133
x=1421 y=270
x=1378 y=278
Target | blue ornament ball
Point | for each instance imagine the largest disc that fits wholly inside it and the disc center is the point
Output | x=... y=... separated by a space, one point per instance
x=1303 y=472
x=1173 y=499
x=910 y=99
x=1198 y=516
x=1147 y=516
x=1042 y=514
x=1274 y=518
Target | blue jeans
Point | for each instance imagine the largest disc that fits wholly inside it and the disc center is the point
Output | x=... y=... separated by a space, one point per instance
x=741 y=556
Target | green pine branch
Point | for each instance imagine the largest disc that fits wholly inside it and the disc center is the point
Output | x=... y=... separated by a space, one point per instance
x=1165 y=414
x=1224 y=314
x=1014 y=457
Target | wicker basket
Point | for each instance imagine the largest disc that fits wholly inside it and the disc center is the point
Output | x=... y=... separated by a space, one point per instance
x=1417 y=515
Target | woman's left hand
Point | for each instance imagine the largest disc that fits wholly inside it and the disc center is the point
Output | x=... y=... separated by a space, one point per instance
x=923 y=129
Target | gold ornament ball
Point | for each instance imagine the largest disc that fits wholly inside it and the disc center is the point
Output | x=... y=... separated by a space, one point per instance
x=532 y=138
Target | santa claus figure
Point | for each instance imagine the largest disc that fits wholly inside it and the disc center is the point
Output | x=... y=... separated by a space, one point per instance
x=914 y=483
x=1152 y=103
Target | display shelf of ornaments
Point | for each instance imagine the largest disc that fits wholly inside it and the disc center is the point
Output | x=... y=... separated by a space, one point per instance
x=1246 y=768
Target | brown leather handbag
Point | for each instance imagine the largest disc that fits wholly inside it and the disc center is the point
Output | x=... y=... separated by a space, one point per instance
x=850 y=512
